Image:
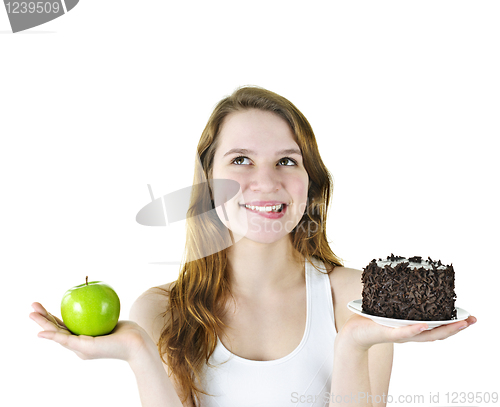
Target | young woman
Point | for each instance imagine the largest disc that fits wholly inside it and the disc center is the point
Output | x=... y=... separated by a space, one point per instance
x=257 y=316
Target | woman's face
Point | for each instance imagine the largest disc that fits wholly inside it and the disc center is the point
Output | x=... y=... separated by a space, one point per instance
x=258 y=150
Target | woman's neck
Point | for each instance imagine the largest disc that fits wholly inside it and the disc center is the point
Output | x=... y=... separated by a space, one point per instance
x=259 y=269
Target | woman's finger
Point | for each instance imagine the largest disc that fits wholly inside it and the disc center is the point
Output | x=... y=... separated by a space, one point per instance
x=39 y=308
x=62 y=338
x=48 y=323
x=442 y=332
x=57 y=321
x=60 y=335
x=42 y=311
x=66 y=340
x=407 y=333
x=43 y=321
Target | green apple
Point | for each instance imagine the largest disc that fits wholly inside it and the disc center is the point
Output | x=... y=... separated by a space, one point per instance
x=90 y=309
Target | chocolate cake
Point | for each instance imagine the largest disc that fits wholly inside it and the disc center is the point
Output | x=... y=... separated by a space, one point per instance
x=412 y=289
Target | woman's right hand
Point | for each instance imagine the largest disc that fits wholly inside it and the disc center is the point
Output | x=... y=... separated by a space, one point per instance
x=125 y=342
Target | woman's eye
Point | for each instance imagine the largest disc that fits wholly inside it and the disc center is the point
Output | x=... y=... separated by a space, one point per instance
x=289 y=160
x=239 y=158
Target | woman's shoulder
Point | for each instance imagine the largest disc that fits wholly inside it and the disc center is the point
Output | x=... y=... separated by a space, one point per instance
x=149 y=310
x=346 y=282
x=346 y=287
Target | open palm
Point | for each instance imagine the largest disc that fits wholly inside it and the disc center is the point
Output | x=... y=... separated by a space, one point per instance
x=123 y=342
x=365 y=333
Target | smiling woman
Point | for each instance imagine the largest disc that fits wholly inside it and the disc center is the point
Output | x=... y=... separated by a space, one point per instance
x=262 y=141
x=258 y=314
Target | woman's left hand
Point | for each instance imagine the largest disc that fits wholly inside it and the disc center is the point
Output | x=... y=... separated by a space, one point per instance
x=364 y=333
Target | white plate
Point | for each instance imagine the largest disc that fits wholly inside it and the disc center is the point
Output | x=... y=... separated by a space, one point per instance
x=356 y=307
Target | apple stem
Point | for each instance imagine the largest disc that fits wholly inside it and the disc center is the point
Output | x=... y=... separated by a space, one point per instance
x=87 y=280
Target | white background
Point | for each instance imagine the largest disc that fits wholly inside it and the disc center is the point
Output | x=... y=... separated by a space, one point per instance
x=404 y=101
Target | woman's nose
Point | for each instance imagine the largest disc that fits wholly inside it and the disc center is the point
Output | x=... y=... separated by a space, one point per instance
x=265 y=180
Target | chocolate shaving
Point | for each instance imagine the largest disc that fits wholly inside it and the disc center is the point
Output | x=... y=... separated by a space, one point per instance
x=402 y=291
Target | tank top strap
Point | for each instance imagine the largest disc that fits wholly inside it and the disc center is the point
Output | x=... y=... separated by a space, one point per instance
x=319 y=291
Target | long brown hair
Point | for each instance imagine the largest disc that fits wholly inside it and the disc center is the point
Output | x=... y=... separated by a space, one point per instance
x=197 y=298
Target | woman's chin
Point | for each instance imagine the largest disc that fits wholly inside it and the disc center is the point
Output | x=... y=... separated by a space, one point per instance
x=261 y=238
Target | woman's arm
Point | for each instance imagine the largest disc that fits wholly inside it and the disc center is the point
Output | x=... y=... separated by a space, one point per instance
x=361 y=376
x=372 y=368
x=155 y=387
x=364 y=349
x=350 y=378
x=149 y=369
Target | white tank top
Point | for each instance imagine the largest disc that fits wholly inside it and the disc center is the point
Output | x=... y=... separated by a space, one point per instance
x=302 y=378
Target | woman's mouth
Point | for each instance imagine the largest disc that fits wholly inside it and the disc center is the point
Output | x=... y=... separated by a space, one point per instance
x=270 y=208
x=269 y=211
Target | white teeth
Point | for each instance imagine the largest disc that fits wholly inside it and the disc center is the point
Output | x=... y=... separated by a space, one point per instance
x=274 y=208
